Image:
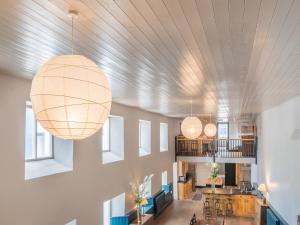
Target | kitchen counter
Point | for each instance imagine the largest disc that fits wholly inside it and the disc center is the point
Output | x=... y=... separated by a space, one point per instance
x=241 y=203
x=185 y=181
x=223 y=191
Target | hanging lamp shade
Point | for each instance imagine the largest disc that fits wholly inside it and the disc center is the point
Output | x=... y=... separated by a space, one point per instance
x=71 y=97
x=191 y=127
x=210 y=130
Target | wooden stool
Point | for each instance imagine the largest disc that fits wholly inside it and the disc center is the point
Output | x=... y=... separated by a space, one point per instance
x=218 y=207
x=207 y=209
x=229 y=208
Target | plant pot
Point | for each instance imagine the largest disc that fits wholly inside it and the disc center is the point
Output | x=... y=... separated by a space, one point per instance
x=138 y=212
x=213 y=186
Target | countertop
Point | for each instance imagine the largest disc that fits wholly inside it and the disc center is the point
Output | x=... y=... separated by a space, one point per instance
x=223 y=191
x=183 y=182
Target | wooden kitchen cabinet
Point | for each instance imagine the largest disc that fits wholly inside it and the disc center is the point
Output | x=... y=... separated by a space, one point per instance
x=260 y=212
x=185 y=189
x=249 y=206
x=245 y=206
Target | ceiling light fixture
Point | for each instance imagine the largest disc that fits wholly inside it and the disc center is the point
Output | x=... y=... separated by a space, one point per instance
x=210 y=129
x=191 y=126
x=70 y=95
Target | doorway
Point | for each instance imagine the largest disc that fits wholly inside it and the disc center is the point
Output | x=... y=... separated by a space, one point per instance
x=230 y=174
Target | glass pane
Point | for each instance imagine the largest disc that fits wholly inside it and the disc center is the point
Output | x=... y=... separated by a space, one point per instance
x=164 y=178
x=145 y=136
x=29 y=134
x=43 y=142
x=105 y=136
x=163 y=137
x=148 y=188
x=223 y=131
x=118 y=205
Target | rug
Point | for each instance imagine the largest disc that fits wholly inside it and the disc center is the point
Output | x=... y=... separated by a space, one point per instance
x=197 y=197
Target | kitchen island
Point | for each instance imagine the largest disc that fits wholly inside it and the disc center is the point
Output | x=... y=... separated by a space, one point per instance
x=231 y=202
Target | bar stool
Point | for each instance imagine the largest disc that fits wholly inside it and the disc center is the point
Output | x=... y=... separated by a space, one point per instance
x=207 y=209
x=229 y=208
x=218 y=207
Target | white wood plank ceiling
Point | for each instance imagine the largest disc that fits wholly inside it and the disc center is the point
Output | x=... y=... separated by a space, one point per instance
x=232 y=57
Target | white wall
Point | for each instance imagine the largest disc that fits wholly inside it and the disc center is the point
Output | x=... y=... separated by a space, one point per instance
x=79 y=194
x=279 y=157
x=202 y=173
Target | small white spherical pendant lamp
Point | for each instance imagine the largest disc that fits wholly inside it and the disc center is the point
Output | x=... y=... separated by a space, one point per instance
x=191 y=127
x=210 y=130
x=71 y=97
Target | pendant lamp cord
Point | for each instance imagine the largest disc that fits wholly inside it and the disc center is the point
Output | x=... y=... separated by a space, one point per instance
x=191 y=107
x=72 y=44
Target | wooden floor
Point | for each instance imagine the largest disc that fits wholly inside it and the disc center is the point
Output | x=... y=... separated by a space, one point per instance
x=180 y=213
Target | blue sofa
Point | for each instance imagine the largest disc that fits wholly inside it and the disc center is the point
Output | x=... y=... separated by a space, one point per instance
x=166 y=188
x=119 y=220
x=149 y=207
x=273 y=218
x=124 y=220
x=156 y=205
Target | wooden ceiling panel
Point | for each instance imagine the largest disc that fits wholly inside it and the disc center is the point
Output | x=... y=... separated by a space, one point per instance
x=231 y=57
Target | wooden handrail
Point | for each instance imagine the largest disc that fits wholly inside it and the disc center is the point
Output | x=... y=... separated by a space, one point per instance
x=222 y=148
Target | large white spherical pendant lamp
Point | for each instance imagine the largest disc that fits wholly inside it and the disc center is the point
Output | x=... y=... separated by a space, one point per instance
x=71 y=97
x=210 y=130
x=191 y=127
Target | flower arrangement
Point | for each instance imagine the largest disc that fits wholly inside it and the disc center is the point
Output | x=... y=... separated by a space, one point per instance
x=140 y=192
x=214 y=172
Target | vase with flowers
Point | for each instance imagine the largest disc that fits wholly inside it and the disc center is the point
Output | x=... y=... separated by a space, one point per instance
x=140 y=192
x=214 y=172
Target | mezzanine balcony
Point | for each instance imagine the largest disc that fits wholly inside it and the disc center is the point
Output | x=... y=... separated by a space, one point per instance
x=216 y=150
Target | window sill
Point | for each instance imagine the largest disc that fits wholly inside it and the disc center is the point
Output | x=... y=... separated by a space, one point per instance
x=35 y=169
x=110 y=157
x=163 y=150
x=143 y=152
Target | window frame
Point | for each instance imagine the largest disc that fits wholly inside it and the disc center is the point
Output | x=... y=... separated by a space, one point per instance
x=116 y=140
x=35 y=151
x=143 y=151
x=164 y=177
x=109 y=202
x=110 y=209
x=109 y=136
x=167 y=137
x=227 y=129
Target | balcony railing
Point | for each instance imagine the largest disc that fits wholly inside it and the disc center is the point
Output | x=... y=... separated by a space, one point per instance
x=221 y=148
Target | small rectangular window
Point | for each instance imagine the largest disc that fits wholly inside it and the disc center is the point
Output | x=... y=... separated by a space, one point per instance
x=39 y=142
x=113 y=207
x=163 y=137
x=223 y=130
x=148 y=188
x=106 y=136
x=144 y=137
x=113 y=139
x=164 y=178
x=44 y=154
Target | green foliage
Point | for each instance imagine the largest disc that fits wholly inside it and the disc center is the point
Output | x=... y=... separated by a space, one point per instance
x=214 y=172
x=138 y=190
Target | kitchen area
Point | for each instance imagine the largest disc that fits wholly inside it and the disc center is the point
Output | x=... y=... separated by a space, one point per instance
x=233 y=192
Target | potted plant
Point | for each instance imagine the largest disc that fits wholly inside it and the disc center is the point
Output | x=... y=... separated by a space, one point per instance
x=214 y=172
x=140 y=192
